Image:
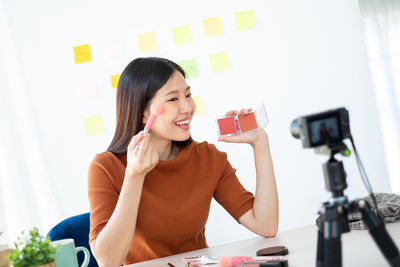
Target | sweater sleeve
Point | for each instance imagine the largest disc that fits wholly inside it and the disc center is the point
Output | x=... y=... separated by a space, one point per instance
x=230 y=193
x=103 y=195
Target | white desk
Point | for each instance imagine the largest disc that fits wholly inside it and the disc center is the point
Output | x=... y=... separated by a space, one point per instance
x=358 y=248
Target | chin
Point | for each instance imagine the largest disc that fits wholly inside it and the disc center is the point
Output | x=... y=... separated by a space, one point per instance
x=182 y=137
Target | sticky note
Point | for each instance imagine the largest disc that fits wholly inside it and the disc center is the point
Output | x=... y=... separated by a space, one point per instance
x=115 y=80
x=147 y=41
x=220 y=62
x=93 y=126
x=182 y=35
x=113 y=48
x=82 y=53
x=245 y=20
x=88 y=90
x=213 y=27
x=199 y=105
x=190 y=68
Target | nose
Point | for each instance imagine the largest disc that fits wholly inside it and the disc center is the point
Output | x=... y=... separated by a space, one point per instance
x=186 y=105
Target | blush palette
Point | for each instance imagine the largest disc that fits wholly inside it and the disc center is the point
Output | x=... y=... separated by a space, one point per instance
x=232 y=125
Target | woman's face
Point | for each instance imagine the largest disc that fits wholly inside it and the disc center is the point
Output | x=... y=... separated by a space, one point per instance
x=176 y=99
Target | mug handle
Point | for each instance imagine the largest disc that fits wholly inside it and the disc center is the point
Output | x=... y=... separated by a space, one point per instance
x=87 y=255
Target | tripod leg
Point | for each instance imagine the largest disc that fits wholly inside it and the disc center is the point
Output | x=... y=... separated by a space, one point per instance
x=320 y=244
x=379 y=234
x=332 y=246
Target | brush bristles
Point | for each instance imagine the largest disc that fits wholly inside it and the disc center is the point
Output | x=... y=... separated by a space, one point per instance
x=156 y=109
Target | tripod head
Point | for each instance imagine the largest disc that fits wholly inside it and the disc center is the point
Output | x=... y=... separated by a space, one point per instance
x=334 y=173
x=325 y=132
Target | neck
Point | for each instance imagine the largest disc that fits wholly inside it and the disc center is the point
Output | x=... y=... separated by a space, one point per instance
x=166 y=151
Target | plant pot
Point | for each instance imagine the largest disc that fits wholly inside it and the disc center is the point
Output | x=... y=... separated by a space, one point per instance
x=51 y=264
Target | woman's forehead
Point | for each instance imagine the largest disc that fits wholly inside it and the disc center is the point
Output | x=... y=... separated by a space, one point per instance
x=175 y=84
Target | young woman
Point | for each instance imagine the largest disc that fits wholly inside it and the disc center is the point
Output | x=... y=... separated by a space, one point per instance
x=154 y=201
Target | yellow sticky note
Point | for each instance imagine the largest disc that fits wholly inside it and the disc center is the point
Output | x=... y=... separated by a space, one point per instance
x=245 y=20
x=213 y=26
x=93 y=126
x=88 y=90
x=147 y=41
x=113 y=48
x=182 y=35
x=82 y=53
x=115 y=80
x=199 y=105
x=220 y=62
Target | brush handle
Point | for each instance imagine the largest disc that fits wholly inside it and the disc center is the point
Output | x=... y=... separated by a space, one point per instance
x=149 y=123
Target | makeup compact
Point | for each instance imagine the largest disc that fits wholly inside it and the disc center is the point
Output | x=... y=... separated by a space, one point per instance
x=232 y=125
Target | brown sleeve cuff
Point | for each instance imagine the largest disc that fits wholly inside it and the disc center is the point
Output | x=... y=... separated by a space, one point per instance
x=245 y=207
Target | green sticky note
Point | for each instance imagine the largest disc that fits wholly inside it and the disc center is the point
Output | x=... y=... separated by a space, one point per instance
x=190 y=68
x=93 y=126
x=182 y=35
x=220 y=62
x=245 y=20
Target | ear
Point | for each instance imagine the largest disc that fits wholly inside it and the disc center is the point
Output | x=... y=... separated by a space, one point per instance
x=146 y=115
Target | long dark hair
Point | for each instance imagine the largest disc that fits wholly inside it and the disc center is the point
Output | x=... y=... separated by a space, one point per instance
x=138 y=84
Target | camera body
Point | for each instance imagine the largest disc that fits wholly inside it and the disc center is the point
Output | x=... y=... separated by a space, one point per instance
x=327 y=128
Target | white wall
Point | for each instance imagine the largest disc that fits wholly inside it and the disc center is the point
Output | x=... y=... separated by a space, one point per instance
x=303 y=56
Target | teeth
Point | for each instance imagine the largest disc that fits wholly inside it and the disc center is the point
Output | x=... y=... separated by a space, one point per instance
x=183 y=122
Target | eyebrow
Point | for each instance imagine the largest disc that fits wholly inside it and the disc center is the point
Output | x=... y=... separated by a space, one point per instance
x=176 y=91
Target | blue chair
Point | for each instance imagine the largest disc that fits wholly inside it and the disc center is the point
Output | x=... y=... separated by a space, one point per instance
x=77 y=228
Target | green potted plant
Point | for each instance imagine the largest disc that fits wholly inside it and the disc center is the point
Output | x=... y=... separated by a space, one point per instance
x=32 y=249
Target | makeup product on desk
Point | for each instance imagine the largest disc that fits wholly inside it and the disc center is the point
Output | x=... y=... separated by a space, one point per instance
x=273 y=251
x=241 y=260
x=232 y=125
x=278 y=263
x=200 y=260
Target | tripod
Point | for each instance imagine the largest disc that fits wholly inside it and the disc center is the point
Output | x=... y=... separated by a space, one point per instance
x=334 y=220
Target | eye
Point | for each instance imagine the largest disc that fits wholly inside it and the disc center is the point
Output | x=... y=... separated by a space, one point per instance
x=189 y=95
x=173 y=99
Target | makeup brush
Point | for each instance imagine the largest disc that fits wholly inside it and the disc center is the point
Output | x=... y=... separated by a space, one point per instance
x=243 y=260
x=155 y=110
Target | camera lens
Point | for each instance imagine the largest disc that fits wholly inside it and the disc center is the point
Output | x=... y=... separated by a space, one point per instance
x=295 y=129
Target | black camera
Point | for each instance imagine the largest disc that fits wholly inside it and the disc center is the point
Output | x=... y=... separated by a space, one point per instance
x=326 y=128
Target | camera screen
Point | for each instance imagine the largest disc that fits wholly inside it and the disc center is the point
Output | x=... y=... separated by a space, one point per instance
x=324 y=131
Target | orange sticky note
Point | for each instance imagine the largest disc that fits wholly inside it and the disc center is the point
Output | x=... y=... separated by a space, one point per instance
x=213 y=26
x=199 y=105
x=82 y=54
x=115 y=80
x=147 y=41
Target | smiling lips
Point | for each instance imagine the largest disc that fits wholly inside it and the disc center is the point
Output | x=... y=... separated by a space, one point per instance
x=184 y=124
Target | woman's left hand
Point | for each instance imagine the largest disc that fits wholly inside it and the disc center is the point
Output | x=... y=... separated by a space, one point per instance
x=257 y=137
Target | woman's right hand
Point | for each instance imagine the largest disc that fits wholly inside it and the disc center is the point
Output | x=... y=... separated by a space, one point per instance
x=140 y=161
